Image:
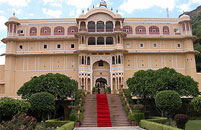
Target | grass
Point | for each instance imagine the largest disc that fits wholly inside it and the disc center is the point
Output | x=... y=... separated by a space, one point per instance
x=193 y=125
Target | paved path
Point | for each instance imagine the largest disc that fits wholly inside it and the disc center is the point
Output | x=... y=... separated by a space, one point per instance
x=110 y=128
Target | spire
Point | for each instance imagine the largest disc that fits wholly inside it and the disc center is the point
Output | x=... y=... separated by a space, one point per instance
x=13 y=13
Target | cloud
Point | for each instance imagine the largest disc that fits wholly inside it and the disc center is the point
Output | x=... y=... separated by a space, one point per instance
x=52 y=13
x=2 y=12
x=16 y=3
x=3 y=19
x=79 y=5
x=131 y=5
x=54 y=3
x=187 y=6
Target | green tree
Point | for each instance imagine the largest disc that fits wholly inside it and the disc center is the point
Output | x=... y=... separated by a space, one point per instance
x=148 y=83
x=196 y=102
x=9 y=107
x=58 y=85
x=168 y=102
x=43 y=103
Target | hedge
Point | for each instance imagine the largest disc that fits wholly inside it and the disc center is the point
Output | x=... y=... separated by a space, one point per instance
x=67 y=126
x=148 y=125
x=55 y=123
x=161 y=120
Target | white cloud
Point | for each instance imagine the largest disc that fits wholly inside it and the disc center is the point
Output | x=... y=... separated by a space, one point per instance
x=55 y=3
x=17 y=11
x=3 y=19
x=16 y=3
x=79 y=5
x=2 y=12
x=52 y=13
x=187 y=6
x=130 y=5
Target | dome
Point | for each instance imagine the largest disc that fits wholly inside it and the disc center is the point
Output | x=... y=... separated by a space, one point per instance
x=184 y=16
x=12 y=19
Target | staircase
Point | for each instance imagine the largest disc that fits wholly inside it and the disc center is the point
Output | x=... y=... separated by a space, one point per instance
x=90 y=113
x=118 y=115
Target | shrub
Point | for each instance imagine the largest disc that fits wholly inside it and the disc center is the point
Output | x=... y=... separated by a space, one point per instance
x=67 y=126
x=73 y=117
x=148 y=125
x=95 y=89
x=43 y=103
x=131 y=117
x=20 y=121
x=181 y=120
x=161 y=120
x=196 y=102
x=168 y=101
x=55 y=123
x=138 y=117
x=9 y=107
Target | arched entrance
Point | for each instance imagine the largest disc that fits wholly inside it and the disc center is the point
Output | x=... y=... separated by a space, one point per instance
x=101 y=74
x=101 y=83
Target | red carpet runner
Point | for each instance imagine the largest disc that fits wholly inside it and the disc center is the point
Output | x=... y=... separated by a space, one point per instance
x=103 y=112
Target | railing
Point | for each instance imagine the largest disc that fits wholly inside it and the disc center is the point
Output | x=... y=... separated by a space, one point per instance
x=83 y=29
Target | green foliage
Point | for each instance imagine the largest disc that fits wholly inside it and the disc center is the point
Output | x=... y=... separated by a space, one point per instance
x=131 y=117
x=58 y=85
x=138 y=117
x=196 y=27
x=161 y=120
x=148 y=83
x=42 y=102
x=196 y=102
x=20 y=122
x=197 y=47
x=73 y=117
x=148 y=125
x=67 y=126
x=95 y=89
x=9 y=107
x=55 y=123
x=128 y=96
x=168 y=101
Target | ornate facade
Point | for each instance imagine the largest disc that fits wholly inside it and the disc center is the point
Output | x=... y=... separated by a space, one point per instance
x=98 y=46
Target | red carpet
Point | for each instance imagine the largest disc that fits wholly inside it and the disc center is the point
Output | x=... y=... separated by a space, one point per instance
x=103 y=112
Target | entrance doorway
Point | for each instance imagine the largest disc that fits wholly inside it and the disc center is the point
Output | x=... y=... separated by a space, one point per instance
x=101 y=82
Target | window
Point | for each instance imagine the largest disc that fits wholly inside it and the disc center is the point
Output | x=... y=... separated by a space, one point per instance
x=59 y=31
x=58 y=46
x=127 y=45
x=72 y=30
x=141 y=45
x=45 y=31
x=88 y=60
x=91 y=41
x=140 y=30
x=33 y=31
x=113 y=60
x=21 y=31
x=72 y=46
x=153 y=30
x=155 y=45
x=176 y=30
x=100 y=63
x=21 y=47
x=45 y=46
x=100 y=41
x=179 y=45
x=109 y=40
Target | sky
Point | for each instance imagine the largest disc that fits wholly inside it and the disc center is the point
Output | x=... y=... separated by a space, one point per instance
x=40 y=9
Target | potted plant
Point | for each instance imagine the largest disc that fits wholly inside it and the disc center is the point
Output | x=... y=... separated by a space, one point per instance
x=78 y=121
x=131 y=119
x=95 y=90
x=181 y=120
x=108 y=90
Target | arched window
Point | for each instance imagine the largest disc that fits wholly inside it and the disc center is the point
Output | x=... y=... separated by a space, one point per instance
x=33 y=31
x=153 y=30
x=117 y=26
x=72 y=30
x=59 y=30
x=82 y=26
x=91 y=26
x=45 y=31
x=113 y=60
x=119 y=59
x=118 y=39
x=91 y=41
x=128 y=29
x=88 y=60
x=109 y=40
x=109 y=26
x=100 y=26
x=100 y=41
x=140 y=30
x=82 y=60
x=166 y=30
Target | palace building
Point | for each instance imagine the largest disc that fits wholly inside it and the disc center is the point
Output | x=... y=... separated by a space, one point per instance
x=98 y=47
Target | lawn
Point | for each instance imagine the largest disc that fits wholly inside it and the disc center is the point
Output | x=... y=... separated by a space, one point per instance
x=193 y=125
